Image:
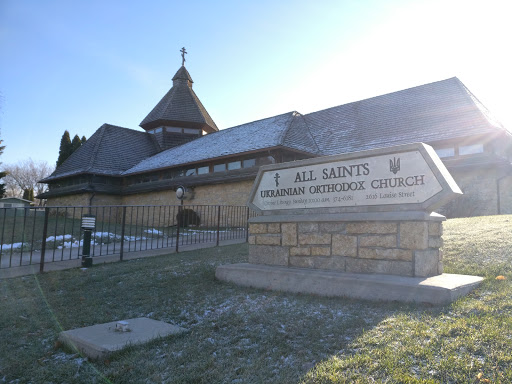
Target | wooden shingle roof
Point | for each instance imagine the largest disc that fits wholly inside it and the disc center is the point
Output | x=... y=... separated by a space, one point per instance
x=110 y=151
x=443 y=110
x=180 y=107
x=437 y=111
x=287 y=130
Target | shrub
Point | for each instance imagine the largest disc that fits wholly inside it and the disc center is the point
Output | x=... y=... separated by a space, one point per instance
x=461 y=206
x=188 y=217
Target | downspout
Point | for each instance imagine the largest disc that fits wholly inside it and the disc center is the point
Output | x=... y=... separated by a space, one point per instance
x=272 y=156
x=498 y=191
x=90 y=199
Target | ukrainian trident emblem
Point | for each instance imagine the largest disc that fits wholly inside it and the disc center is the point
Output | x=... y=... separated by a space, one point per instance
x=394 y=165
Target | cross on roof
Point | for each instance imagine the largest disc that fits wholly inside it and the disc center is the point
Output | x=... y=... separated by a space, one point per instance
x=183 y=52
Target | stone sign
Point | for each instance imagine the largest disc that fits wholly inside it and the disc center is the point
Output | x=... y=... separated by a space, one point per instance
x=358 y=225
x=409 y=177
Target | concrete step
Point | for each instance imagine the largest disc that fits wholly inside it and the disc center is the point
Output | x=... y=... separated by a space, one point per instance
x=440 y=289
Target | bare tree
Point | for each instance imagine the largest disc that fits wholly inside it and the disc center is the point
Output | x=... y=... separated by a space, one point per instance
x=24 y=175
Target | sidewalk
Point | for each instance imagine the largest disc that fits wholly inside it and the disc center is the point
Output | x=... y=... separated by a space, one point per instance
x=75 y=263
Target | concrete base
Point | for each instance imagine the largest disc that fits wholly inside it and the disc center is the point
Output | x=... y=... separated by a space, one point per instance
x=441 y=289
x=100 y=340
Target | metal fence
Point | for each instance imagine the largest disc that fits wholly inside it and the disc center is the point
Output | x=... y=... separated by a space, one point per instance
x=50 y=234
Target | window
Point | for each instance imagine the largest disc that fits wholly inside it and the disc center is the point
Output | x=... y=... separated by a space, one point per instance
x=190 y=172
x=266 y=160
x=191 y=131
x=203 y=170
x=234 y=165
x=96 y=179
x=158 y=130
x=169 y=174
x=175 y=130
x=471 y=149
x=288 y=157
x=249 y=163
x=445 y=152
x=219 y=167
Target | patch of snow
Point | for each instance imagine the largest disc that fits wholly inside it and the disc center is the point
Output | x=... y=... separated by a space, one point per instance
x=103 y=234
x=153 y=231
x=11 y=246
x=59 y=238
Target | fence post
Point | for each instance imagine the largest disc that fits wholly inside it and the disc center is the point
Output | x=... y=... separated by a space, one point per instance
x=218 y=225
x=180 y=217
x=43 y=244
x=247 y=226
x=123 y=222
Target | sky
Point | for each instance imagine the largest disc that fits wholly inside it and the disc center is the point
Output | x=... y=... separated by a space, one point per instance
x=75 y=65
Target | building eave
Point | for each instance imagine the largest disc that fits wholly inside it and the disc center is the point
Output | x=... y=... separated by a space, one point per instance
x=218 y=158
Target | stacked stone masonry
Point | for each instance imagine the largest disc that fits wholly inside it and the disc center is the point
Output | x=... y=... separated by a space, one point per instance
x=227 y=194
x=405 y=248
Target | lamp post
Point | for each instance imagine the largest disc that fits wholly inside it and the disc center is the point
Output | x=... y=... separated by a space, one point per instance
x=180 y=195
x=88 y=225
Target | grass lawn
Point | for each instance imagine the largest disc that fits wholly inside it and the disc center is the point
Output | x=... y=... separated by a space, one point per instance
x=240 y=335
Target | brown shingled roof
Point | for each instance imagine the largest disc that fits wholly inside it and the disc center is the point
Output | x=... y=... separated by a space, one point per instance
x=180 y=107
x=110 y=151
x=437 y=111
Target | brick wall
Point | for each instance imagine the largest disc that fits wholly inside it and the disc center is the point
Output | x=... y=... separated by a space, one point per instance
x=405 y=248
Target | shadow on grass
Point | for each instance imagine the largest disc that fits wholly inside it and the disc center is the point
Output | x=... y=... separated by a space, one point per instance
x=465 y=342
x=233 y=333
x=241 y=335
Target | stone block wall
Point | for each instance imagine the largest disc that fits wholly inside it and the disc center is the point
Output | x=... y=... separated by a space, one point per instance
x=405 y=248
x=480 y=194
x=78 y=200
x=79 y=205
x=235 y=193
x=151 y=198
x=229 y=194
x=506 y=195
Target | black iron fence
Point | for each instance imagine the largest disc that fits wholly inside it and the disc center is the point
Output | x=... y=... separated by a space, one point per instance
x=50 y=234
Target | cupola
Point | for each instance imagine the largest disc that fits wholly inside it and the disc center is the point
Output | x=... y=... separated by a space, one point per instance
x=180 y=116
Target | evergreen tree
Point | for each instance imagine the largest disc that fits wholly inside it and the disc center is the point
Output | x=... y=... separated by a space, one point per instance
x=66 y=148
x=76 y=143
x=2 y=174
x=28 y=194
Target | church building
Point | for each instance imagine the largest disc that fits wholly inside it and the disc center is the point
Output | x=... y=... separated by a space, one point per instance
x=180 y=145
